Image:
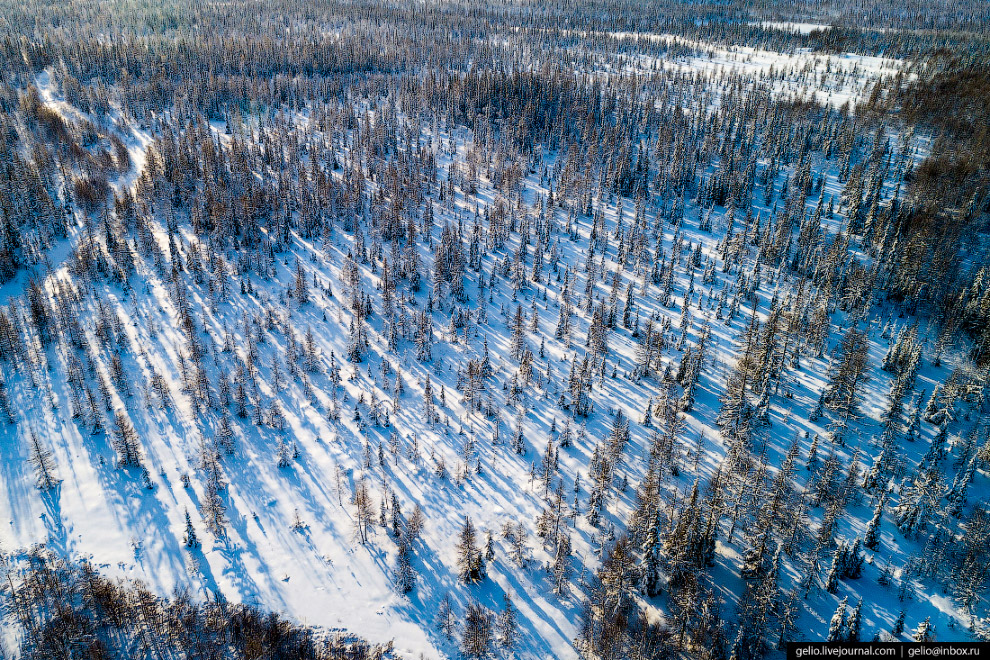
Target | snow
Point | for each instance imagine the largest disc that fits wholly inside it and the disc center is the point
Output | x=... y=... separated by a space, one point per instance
x=832 y=79
x=829 y=79
x=319 y=574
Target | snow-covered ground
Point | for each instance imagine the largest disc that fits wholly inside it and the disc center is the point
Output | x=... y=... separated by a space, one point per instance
x=315 y=571
x=831 y=79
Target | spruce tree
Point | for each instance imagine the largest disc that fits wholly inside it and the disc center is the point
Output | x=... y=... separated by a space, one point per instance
x=405 y=574
x=476 y=639
x=446 y=620
x=871 y=538
x=44 y=465
x=126 y=441
x=837 y=626
x=854 y=623
x=898 y=628
x=189 y=538
x=508 y=624
x=925 y=631
x=470 y=562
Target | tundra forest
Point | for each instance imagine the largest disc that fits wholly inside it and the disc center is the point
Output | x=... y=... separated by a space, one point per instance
x=526 y=329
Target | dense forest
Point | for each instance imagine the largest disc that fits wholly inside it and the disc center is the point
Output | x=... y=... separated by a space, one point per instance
x=508 y=329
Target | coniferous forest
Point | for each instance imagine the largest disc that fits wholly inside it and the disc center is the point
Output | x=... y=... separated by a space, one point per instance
x=458 y=329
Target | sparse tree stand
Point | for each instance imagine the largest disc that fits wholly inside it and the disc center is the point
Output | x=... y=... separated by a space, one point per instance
x=427 y=208
x=86 y=610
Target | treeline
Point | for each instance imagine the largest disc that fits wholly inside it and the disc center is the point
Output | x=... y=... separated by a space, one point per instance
x=153 y=47
x=944 y=222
